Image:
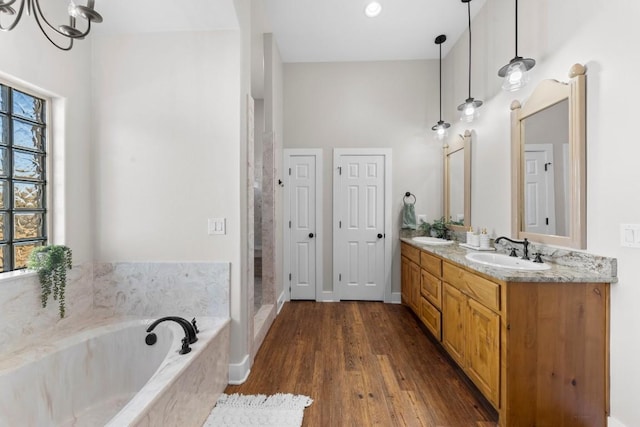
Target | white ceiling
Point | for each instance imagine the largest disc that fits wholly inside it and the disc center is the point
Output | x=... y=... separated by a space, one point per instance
x=338 y=30
x=307 y=30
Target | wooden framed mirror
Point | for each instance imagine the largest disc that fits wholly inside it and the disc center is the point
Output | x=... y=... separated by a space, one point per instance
x=457 y=182
x=548 y=163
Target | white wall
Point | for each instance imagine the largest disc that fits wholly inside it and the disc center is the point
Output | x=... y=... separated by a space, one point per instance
x=602 y=35
x=369 y=104
x=165 y=130
x=29 y=60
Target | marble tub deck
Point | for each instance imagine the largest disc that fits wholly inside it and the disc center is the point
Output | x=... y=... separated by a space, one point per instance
x=192 y=382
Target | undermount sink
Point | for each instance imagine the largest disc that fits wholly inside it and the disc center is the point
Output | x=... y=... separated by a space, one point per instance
x=505 y=261
x=424 y=240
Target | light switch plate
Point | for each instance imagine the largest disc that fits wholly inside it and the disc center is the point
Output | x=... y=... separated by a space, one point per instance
x=630 y=235
x=216 y=226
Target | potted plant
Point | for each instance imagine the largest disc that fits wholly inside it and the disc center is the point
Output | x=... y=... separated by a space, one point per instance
x=439 y=228
x=51 y=263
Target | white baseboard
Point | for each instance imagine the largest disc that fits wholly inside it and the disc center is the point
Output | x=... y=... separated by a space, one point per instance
x=328 y=296
x=239 y=372
x=281 y=300
x=396 y=298
x=612 y=422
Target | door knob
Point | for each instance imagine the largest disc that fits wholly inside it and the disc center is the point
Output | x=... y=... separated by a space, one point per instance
x=379 y=235
x=311 y=235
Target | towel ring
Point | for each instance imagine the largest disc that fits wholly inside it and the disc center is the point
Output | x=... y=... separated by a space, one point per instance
x=407 y=195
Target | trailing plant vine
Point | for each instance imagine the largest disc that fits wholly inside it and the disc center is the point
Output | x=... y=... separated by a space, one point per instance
x=51 y=263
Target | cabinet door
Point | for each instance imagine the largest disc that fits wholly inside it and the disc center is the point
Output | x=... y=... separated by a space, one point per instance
x=414 y=272
x=454 y=305
x=404 y=280
x=431 y=318
x=431 y=288
x=483 y=350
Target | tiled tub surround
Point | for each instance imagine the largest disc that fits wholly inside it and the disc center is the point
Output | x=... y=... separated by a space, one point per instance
x=106 y=374
x=102 y=295
x=21 y=313
x=566 y=265
x=162 y=289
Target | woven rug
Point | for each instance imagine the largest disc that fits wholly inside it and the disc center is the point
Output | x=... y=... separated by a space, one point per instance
x=278 y=410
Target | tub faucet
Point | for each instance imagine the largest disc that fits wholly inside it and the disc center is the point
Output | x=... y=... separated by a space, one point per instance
x=189 y=332
x=524 y=243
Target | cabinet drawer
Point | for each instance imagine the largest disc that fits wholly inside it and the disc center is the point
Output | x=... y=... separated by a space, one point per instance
x=431 y=288
x=482 y=290
x=431 y=318
x=431 y=263
x=410 y=252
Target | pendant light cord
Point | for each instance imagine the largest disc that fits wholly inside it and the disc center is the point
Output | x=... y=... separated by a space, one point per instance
x=440 y=81
x=516 y=28
x=469 y=10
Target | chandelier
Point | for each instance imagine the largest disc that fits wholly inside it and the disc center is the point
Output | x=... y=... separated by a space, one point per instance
x=69 y=32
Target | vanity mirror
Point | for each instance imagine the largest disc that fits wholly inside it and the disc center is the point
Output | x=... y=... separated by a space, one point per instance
x=548 y=163
x=457 y=181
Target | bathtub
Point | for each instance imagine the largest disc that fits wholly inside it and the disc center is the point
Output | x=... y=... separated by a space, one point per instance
x=108 y=375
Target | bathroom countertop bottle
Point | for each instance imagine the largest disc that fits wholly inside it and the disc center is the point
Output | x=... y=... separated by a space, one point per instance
x=484 y=240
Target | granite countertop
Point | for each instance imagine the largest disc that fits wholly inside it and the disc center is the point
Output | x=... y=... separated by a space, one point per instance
x=569 y=267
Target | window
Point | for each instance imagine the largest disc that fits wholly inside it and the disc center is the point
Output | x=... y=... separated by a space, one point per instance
x=22 y=176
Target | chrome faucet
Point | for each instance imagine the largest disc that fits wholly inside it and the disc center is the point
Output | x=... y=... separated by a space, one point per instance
x=188 y=328
x=524 y=243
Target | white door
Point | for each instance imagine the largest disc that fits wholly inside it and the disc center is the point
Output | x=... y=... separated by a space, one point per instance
x=360 y=234
x=539 y=194
x=303 y=225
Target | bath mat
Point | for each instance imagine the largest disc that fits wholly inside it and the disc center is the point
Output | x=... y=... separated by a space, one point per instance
x=278 y=410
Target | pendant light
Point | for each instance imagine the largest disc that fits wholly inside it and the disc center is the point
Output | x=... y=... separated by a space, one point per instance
x=441 y=127
x=515 y=73
x=469 y=108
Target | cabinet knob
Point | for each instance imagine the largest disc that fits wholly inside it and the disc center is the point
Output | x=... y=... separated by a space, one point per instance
x=379 y=235
x=311 y=235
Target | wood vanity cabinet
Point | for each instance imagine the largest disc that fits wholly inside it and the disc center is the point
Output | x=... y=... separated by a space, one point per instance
x=471 y=329
x=539 y=352
x=431 y=293
x=411 y=277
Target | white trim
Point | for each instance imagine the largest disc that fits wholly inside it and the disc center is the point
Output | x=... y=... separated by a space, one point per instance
x=239 y=372
x=281 y=300
x=388 y=229
x=396 y=298
x=317 y=153
x=612 y=422
x=329 y=296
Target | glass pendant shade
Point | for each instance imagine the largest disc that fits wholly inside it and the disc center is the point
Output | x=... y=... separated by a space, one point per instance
x=515 y=73
x=469 y=110
x=441 y=127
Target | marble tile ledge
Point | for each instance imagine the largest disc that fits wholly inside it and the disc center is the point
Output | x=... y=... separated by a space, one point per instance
x=566 y=265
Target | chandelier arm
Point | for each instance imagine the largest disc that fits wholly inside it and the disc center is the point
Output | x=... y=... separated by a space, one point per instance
x=35 y=15
x=38 y=11
x=15 y=21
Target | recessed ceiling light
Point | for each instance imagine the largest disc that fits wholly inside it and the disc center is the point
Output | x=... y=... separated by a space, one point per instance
x=373 y=9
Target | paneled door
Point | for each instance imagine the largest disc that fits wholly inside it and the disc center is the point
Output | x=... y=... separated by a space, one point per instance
x=360 y=233
x=539 y=194
x=303 y=228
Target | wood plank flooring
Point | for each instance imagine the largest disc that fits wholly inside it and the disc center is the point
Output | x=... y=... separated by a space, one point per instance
x=364 y=364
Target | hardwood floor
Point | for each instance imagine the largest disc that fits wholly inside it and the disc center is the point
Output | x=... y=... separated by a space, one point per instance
x=364 y=364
